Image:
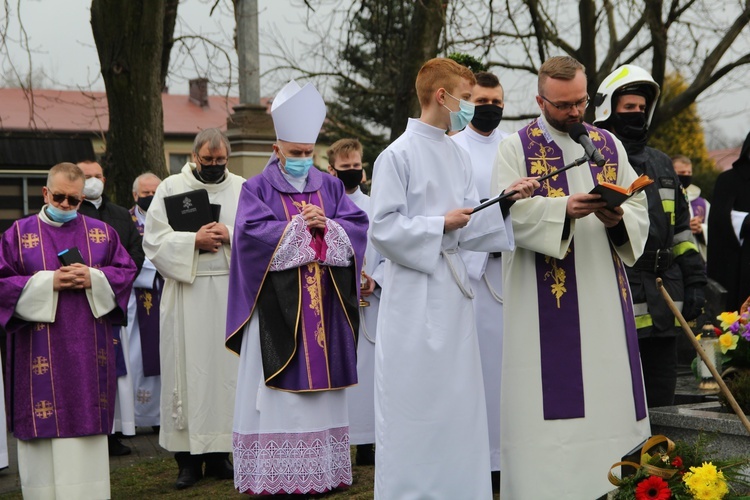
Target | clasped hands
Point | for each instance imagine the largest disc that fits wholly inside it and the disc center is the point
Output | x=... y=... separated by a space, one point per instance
x=211 y=236
x=459 y=217
x=73 y=277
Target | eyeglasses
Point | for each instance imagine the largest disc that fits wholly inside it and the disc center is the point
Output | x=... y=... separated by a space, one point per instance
x=568 y=106
x=209 y=160
x=72 y=200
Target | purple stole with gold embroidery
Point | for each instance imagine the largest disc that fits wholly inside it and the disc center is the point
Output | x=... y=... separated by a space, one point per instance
x=37 y=254
x=311 y=368
x=147 y=311
x=557 y=290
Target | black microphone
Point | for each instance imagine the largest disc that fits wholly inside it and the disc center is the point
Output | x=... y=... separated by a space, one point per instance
x=579 y=134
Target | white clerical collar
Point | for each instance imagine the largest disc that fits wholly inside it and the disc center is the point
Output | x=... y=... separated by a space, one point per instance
x=45 y=218
x=97 y=202
x=356 y=194
x=297 y=183
x=476 y=136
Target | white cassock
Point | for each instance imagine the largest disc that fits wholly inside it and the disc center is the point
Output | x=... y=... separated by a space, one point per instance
x=198 y=374
x=486 y=277
x=430 y=415
x=146 y=390
x=124 y=403
x=566 y=458
x=361 y=397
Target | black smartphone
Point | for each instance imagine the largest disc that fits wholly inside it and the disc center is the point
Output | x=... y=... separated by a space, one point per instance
x=70 y=256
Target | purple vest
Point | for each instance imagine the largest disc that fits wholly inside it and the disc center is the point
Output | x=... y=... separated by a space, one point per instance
x=559 y=322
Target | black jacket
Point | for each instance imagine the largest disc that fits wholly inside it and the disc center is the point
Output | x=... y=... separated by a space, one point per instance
x=728 y=261
x=120 y=219
x=669 y=231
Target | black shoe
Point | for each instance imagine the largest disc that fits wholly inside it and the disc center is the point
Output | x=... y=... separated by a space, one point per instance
x=218 y=466
x=495 y=481
x=365 y=454
x=190 y=469
x=116 y=448
x=156 y=429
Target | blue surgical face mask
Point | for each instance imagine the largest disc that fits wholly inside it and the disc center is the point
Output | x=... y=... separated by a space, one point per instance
x=297 y=167
x=58 y=215
x=462 y=117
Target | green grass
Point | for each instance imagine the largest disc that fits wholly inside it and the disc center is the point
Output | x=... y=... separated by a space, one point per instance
x=155 y=478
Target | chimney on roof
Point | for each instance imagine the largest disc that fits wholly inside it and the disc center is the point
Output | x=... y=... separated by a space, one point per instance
x=199 y=91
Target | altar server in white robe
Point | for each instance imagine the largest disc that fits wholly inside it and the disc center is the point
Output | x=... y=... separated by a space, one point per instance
x=345 y=162
x=480 y=139
x=430 y=417
x=572 y=389
x=198 y=375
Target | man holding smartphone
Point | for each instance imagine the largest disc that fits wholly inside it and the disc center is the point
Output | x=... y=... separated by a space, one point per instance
x=59 y=319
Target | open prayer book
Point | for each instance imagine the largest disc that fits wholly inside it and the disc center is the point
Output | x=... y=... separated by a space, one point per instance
x=616 y=195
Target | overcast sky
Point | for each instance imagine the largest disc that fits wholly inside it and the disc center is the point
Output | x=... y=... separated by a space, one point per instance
x=62 y=47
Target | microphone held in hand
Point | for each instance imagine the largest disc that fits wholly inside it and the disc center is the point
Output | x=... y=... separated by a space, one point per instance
x=579 y=134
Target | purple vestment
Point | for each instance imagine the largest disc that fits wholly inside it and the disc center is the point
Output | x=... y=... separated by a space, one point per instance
x=264 y=211
x=61 y=375
x=559 y=324
x=148 y=301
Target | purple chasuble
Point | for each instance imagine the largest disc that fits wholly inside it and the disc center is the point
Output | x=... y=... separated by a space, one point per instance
x=324 y=342
x=699 y=207
x=62 y=374
x=147 y=301
x=559 y=322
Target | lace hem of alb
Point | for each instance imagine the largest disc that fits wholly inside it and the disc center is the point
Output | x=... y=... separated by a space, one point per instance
x=305 y=462
x=294 y=249
x=339 y=251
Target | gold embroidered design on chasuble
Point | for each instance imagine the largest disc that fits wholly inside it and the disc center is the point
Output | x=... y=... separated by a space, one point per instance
x=96 y=235
x=539 y=163
x=558 y=276
x=30 y=240
x=40 y=365
x=622 y=280
x=147 y=301
x=312 y=283
x=40 y=326
x=609 y=171
x=103 y=401
x=44 y=409
x=102 y=357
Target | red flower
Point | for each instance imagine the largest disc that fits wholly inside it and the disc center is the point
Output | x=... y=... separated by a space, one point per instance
x=653 y=488
x=718 y=330
x=677 y=462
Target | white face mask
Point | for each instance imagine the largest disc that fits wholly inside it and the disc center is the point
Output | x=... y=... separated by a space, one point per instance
x=93 y=188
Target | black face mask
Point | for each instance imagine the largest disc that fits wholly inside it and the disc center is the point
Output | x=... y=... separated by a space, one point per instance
x=630 y=126
x=685 y=180
x=144 y=202
x=211 y=173
x=350 y=178
x=487 y=117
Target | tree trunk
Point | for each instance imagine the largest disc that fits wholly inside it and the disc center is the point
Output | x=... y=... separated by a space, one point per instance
x=129 y=38
x=428 y=20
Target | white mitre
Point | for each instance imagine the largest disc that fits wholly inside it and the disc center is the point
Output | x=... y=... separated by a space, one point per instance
x=298 y=113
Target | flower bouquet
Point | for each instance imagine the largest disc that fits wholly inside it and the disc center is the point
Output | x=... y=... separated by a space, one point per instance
x=681 y=471
x=734 y=339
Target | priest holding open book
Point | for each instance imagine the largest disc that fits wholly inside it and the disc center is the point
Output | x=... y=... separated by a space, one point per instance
x=572 y=390
x=624 y=105
x=198 y=374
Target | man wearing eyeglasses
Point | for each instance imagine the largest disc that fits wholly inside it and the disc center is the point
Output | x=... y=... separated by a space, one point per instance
x=198 y=374
x=59 y=312
x=572 y=389
x=626 y=100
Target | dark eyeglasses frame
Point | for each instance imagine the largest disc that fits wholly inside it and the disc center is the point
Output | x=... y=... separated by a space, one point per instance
x=567 y=106
x=209 y=160
x=73 y=201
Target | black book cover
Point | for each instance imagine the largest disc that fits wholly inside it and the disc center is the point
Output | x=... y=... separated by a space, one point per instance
x=189 y=211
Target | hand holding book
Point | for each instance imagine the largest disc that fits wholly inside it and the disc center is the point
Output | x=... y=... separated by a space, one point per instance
x=615 y=195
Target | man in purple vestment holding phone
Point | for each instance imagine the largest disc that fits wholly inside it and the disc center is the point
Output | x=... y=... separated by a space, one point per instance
x=59 y=318
x=297 y=254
